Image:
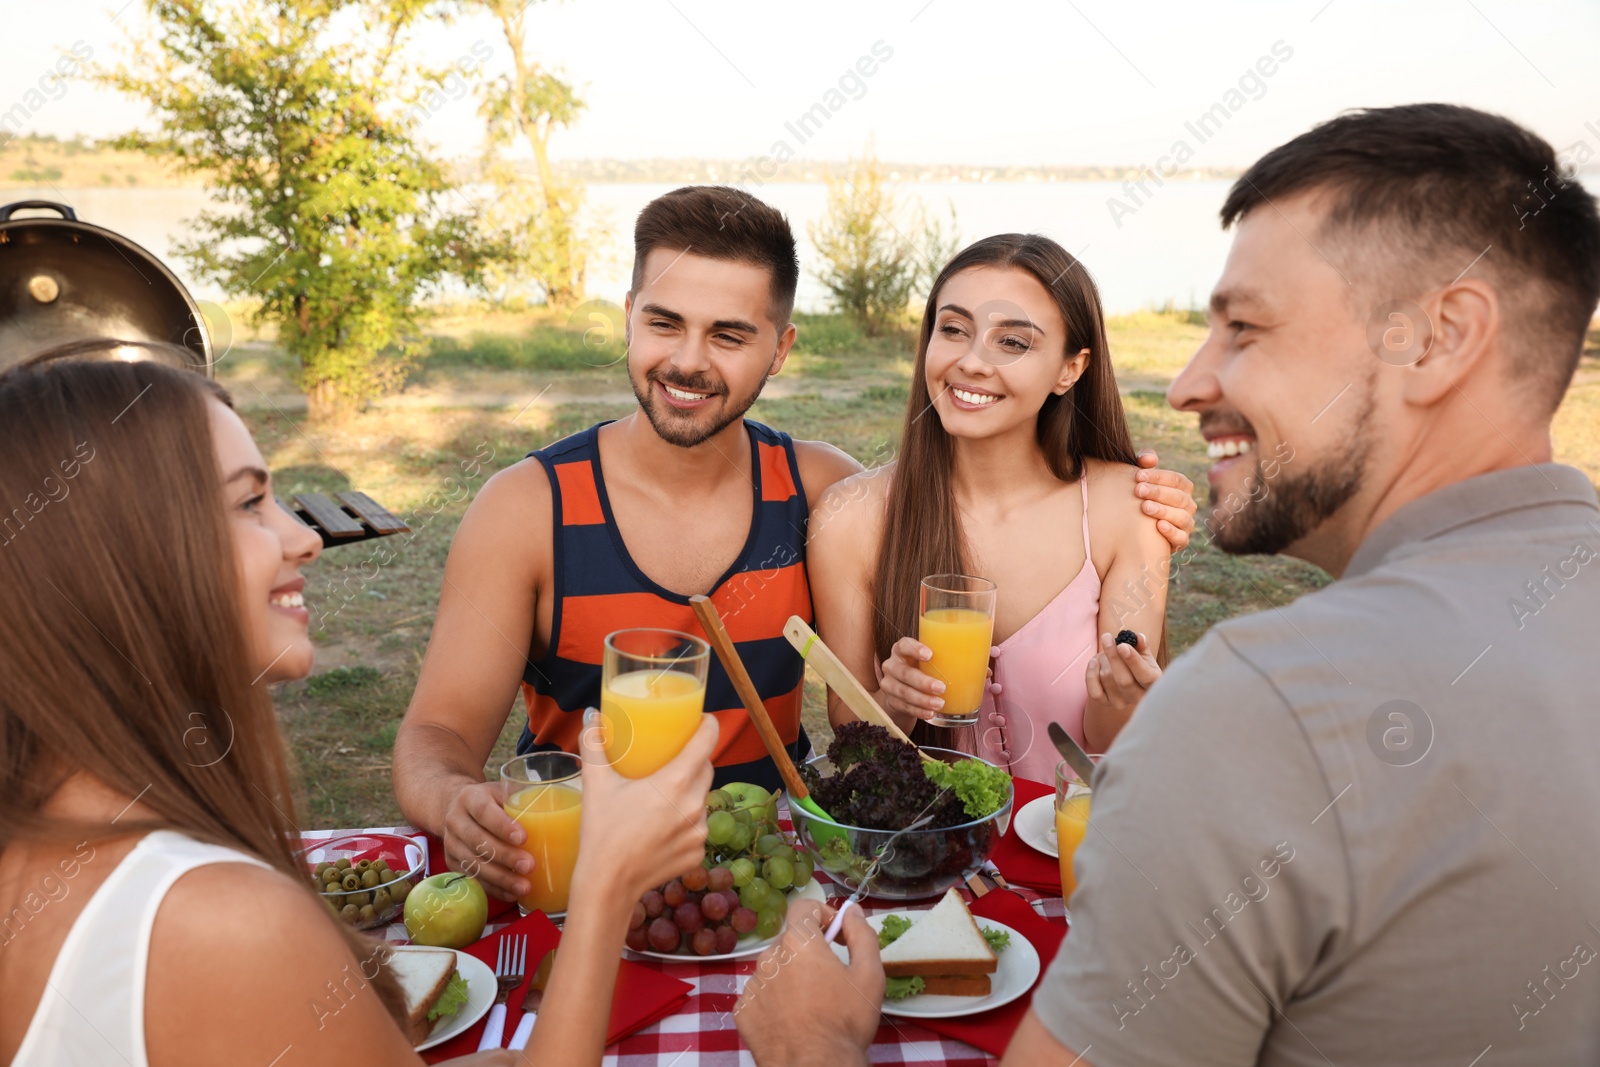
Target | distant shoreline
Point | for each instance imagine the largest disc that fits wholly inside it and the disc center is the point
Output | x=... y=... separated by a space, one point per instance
x=14 y=180
x=12 y=189
x=645 y=171
x=32 y=162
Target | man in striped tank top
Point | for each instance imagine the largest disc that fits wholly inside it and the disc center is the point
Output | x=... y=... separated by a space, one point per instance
x=618 y=525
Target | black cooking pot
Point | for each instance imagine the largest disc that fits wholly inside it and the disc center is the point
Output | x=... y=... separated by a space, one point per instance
x=63 y=280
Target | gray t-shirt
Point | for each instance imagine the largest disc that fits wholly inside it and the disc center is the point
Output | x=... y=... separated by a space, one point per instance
x=1364 y=828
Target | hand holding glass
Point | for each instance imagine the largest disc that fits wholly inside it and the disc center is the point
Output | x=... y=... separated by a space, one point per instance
x=544 y=795
x=652 y=694
x=957 y=625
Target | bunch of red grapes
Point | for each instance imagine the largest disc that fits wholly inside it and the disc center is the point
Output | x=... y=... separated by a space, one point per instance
x=738 y=890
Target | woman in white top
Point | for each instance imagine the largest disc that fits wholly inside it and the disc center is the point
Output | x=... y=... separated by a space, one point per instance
x=152 y=910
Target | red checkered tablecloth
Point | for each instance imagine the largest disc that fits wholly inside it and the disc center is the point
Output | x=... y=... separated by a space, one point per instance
x=702 y=1033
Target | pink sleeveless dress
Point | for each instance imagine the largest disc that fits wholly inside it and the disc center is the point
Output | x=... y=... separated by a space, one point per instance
x=1038 y=676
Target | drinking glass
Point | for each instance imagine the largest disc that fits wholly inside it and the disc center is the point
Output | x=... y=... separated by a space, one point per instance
x=957 y=624
x=652 y=693
x=1073 y=797
x=544 y=794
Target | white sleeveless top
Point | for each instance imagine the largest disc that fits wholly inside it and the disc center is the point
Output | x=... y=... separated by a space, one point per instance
x=92 y=1010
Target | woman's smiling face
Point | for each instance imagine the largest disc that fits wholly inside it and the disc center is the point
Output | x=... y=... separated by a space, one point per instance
x=997 y=350
x=270 y=546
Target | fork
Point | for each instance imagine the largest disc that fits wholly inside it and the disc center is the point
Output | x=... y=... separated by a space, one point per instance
x=976 y=883
x=510 y=965
x=884 y=853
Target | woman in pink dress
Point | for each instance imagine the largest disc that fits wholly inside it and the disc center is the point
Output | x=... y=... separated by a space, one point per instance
x=1015 y=465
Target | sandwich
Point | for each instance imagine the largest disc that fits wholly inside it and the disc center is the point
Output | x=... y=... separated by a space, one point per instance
x=941 y=951
x=432 y=986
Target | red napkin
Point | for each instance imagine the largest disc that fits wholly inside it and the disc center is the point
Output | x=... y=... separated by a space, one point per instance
x=1019 y=861
x=991 y=1030
x=642 y=996
x=497 y=908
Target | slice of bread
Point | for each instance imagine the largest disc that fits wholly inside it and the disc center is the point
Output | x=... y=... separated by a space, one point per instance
x=957 y=985
x=423 y=974
x=943 y=941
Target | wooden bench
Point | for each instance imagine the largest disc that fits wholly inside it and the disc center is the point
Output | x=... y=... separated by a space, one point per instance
x=371 y=512
x=348 y=518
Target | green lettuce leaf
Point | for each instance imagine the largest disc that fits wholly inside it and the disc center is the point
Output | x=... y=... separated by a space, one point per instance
x=901 y=988
x=980 y=787
x=455 y=998
x=893 y=927
x=998 y=939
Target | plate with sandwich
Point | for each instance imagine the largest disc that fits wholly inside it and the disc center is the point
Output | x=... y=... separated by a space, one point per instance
x=446 y=991
x=942 y=963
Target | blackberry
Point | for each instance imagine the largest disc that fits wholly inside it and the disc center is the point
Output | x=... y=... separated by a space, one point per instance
x=1128 y=637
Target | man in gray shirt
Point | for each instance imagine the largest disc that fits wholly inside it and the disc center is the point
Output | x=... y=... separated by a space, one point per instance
x=1364 y=827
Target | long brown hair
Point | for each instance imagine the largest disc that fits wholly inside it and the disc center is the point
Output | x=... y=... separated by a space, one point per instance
x=1086 y=422
x=122 y=643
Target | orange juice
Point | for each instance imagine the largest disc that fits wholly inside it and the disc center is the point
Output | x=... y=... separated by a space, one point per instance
x=1072 y=823
x=960 y=640
x=648 y=717
x=550 y=815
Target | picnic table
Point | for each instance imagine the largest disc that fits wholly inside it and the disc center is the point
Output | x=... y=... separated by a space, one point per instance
x=702 y=1032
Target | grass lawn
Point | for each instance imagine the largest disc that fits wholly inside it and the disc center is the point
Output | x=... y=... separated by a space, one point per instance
x=373 y=603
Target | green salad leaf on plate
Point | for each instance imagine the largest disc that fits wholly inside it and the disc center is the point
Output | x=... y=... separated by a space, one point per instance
x=893 y=927
x=998 y=939
x=453 y=999
x=901 y=988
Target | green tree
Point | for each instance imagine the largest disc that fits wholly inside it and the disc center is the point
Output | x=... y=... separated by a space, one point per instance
x=328 y=211
x=538 y=219
x=878 y=252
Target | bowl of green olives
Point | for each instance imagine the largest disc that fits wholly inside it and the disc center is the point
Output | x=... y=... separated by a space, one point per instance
x=365 y=878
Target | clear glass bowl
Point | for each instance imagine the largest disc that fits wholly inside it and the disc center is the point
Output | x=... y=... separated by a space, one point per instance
x=404 y=859
x=924 y=863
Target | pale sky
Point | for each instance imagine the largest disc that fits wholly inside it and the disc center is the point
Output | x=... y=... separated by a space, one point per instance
x=994 y=82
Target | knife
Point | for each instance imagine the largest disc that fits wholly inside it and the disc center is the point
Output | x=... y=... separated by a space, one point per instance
x=536 y=986
x=1072 y=752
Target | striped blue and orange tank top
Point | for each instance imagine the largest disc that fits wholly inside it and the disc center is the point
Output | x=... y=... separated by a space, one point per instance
x=599 y=589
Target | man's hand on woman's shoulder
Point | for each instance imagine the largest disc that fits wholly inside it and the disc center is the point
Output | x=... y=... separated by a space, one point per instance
x=1168 y=498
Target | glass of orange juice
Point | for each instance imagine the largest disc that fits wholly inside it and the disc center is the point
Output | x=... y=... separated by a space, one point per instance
x=544 y=795
x=1072 y=821
x=652 y=692
x=957 y=624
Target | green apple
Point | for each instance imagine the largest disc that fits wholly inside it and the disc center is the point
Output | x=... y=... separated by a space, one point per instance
x=760 y=803
x=448 y=910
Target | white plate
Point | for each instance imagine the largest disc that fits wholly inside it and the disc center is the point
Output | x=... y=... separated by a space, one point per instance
x=812 y=890
x=481 y=990
x=1036 y=825
x=1019 y=966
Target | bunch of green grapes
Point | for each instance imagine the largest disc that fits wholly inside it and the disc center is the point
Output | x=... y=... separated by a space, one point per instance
x=740 y=888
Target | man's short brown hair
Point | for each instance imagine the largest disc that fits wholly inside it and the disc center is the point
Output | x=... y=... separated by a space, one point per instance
x=1422 y=192
x=720 y=222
